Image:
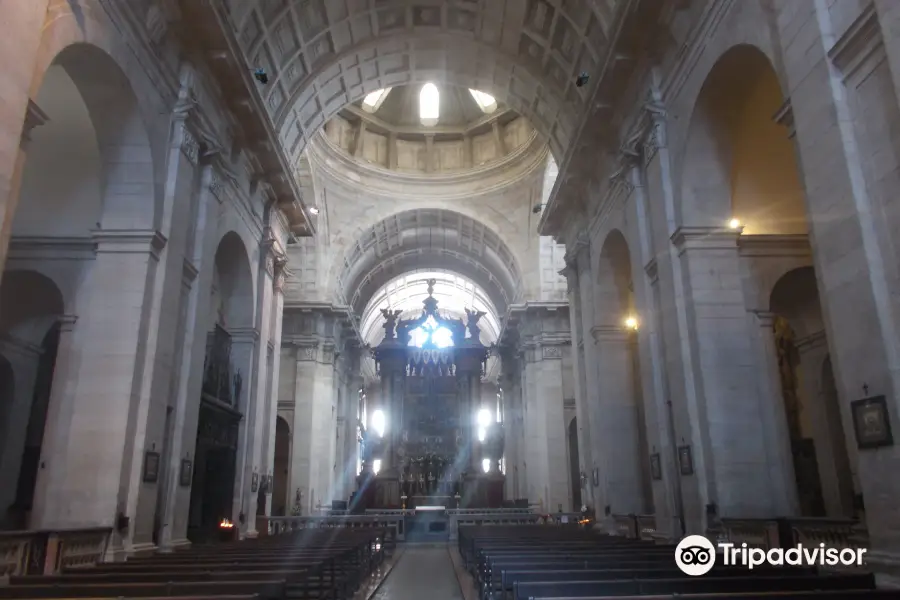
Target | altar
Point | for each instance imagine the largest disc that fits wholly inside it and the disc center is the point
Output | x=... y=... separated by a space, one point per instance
x=429 y=454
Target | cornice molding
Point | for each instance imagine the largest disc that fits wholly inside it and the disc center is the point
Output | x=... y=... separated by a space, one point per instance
x=774 y=245
x=704 y=238
x=377 y=125
x=34 y=247
x=513 y=169
x=861 y=40
x=129 y=241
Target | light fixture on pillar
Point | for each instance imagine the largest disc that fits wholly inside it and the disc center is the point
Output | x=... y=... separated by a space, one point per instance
x=734 y=224
x=486 y=465
x=313 y=210
x=631 y=323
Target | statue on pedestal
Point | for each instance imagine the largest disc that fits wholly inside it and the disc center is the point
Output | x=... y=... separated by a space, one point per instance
x=390 y=321
x=472 y=323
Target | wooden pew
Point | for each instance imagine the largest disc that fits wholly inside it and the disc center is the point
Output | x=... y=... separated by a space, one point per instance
x=322 y=566
x=509 y=578
x=691 y=585
x=264 y=590
x=807 y=595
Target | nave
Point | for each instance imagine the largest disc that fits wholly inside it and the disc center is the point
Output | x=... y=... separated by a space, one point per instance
x=544 y=560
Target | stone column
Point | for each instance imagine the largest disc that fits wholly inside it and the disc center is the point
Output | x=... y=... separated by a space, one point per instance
x=619 y=443
x=774 y=418
x=386 y=405
x=15 y=413
x=103 y=462
x=312 y=460
x=585 y=457
x=657 y=403
x=581 y=252
x=274 y=371
x=193 y=355
x=305 y=389
x=721 y=424
x=48 y=493
x=545 y=435
x=258 y=418
x=245 y=342
x=844 y=79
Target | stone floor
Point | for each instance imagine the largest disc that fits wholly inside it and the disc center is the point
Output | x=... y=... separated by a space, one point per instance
x=421 y=571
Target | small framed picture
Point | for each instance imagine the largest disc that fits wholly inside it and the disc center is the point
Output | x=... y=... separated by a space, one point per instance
x=595 y=477
x=268 y=484
x=186 y=473
x=655 y=467
x=254 y=483
x=685 y=460
x=871 y=423
x=151 y=467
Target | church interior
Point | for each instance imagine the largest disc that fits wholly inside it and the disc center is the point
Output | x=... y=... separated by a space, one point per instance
x=353 y=299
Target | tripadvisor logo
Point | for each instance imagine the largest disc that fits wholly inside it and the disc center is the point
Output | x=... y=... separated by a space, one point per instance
x=695 y=555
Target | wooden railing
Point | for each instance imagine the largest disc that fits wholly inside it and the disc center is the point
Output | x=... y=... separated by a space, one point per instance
x=636 y=526
x=788 y=532
x=48 y=552
x=393 y=523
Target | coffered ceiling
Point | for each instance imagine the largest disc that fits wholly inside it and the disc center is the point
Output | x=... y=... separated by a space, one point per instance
x=322 y=55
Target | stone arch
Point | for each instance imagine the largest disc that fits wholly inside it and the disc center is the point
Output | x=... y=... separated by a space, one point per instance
x=32 y=305
x=739 y=162
x=353 y=52
x=281 y=496
x=429 y=239
x=812 y=408
x=91 y=134
x=795 y=297
x=232 y=302
x=618 y=360
x=31 y=302
x=615 y=296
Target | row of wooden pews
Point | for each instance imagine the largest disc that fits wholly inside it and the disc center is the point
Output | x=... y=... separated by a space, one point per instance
x=559 y=563
x=306 y=565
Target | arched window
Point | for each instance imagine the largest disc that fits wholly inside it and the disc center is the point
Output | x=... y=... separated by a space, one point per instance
x=485 y=102
x=429 y=105
x=439 y=335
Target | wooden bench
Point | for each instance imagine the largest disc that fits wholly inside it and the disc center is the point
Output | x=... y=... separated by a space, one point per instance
x=807 y=595
x=691 y=585
x=321 y=566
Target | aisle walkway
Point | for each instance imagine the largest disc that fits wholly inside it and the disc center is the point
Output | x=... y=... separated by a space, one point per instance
x=424 y=571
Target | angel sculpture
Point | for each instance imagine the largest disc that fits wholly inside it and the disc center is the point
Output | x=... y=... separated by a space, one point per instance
x=390 y=321
x=472 y=323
